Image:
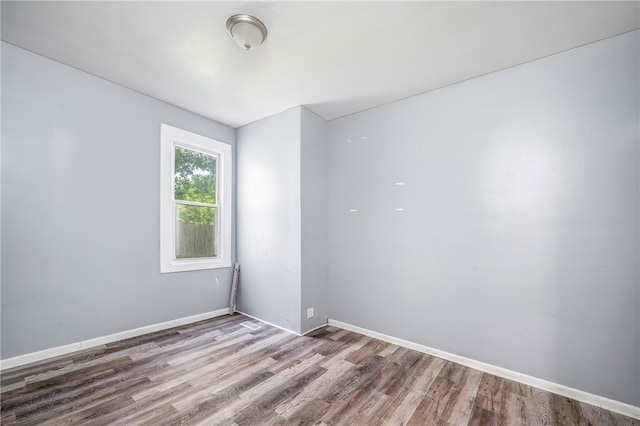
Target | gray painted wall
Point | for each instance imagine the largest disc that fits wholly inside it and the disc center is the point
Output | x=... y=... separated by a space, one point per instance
x=268 y=219
x=282 y=219
x=519 y=240
x=80 y=208
x=314 y=212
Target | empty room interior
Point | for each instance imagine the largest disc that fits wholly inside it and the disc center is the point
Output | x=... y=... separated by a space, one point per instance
x=324 y=213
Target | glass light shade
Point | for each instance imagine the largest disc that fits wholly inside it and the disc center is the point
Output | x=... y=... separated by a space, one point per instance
x=246 y=35
x=248 y=31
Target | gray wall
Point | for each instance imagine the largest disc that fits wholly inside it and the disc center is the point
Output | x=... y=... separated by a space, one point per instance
x=80 y=208
x=268 y=219
x=282 y=219
x=519 y=240
x=314 y=211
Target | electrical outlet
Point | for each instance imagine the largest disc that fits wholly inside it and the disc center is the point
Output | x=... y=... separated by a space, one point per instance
x=310 y=313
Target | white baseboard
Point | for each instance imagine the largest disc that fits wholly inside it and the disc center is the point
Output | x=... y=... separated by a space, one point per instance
x=269 y=323
x=282 y=328
x=598 y=401
x=315 y=328
x=72 y=347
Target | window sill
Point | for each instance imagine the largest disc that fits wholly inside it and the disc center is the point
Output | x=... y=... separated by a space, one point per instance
x=194 y=265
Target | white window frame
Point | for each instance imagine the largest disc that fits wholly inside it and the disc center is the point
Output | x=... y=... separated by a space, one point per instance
x=169 y=138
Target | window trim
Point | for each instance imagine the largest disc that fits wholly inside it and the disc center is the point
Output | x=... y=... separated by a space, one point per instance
x=169 y=138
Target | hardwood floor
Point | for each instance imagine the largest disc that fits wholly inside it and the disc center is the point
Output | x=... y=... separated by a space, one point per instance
x=218 y=372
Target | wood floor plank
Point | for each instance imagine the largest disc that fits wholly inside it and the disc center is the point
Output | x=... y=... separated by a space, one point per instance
x=290 y=345
x=57 y=404
x=77 y=369
x=308 y=396
x=465 y=393
x=482 y=417
x=8 y=418
x=159 y=406
x=426 y=413
x=397 y=369
x=349 y=343
x=219 y=407
x=307 y=348
x=313 y=410
x=280 y=377
x=233 y=380
x=267 y=402
x=50 y=393
x=89 y=409
x=368 y=350
x=540 y=408
x=337 y=335
x=353 y=386
x=420 y=381
x=369 y=401
x=513 y=410
x=620 y=420
x=398 y=409
x=566 y=411
x=217 y=372
x=439 y=402
x=491 y=394
x=596 y=416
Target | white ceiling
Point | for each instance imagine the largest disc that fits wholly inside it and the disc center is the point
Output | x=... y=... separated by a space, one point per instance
x=336 y=58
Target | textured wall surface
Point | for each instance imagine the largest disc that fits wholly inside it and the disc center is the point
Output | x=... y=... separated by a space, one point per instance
x=518 y=240
x=80 y=209
x=268 y=219
x=314 y=199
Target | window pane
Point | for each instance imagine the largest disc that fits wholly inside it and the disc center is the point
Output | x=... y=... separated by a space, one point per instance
x=195 y=176
x=196 y=232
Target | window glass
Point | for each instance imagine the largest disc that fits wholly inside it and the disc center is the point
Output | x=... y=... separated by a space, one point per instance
x=195 y=201
x=195 y=176
x=196 y=234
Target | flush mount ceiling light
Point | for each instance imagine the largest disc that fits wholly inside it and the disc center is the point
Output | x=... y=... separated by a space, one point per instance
x=246 y=30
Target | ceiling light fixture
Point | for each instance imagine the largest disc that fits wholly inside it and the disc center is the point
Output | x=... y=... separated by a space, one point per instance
x=246 y=30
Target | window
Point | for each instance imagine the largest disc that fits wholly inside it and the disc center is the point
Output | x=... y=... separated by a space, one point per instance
x=195 y=201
